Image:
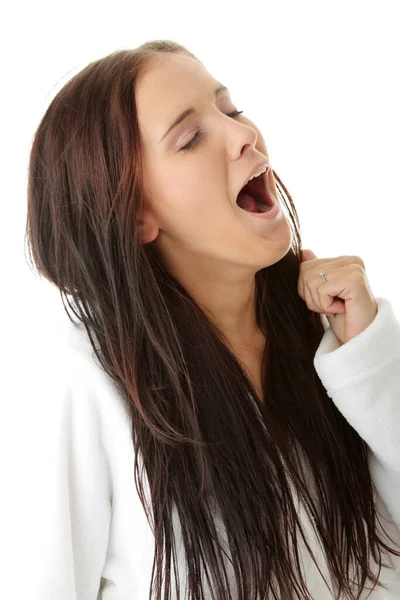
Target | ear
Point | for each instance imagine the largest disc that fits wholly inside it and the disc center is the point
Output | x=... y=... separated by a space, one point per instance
x=148 y=230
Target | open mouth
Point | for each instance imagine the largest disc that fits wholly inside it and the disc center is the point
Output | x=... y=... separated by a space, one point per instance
x=254 y=196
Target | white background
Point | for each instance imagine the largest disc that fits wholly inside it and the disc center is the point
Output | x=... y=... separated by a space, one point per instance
x=320 y=80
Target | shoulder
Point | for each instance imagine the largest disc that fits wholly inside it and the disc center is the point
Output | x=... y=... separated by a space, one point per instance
x=62 y=374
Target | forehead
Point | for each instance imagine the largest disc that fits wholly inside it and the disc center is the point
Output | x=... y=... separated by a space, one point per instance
x=169 y=85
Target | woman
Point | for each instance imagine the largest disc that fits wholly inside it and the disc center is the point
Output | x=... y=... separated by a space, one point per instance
x=225 y=420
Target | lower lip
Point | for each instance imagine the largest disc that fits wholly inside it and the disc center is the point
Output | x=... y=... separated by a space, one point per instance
x=272 y=213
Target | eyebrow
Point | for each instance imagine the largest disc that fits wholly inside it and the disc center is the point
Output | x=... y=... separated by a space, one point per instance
x=189 y=111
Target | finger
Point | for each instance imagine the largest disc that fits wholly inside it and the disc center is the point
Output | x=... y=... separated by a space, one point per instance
x=326 y=304
x=330 y=305
x=307 y=254
x=342 y=273
x=319 y=298
x=317 y=263
x=310 y=297
x=325 y=264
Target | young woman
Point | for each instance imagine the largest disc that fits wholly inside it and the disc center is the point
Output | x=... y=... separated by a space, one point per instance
x=206 y=415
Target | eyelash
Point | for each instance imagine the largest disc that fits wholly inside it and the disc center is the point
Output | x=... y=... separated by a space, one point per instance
x=197 y=137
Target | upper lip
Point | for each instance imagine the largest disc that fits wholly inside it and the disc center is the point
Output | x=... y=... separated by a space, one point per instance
x=263 y=163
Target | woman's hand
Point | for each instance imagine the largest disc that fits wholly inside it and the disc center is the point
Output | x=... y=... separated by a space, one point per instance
x=345 y=298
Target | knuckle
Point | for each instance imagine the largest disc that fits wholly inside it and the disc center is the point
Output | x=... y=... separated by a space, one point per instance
x=360 y=276
x=359 y=260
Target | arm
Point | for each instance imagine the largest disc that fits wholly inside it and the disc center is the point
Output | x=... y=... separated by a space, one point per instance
x=363 y=379
x=65 y=509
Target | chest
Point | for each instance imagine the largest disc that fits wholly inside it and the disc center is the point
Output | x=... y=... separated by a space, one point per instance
x=253 y=368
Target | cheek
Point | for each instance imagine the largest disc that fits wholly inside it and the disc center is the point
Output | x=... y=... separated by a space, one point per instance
x=175 y=205
x=189 y=193
x=192 y=210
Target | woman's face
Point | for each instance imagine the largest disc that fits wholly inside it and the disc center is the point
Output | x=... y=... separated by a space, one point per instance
x=192 y=217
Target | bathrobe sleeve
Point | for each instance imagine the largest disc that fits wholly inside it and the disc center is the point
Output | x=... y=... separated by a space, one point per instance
x=362 y=377
x=62 y=520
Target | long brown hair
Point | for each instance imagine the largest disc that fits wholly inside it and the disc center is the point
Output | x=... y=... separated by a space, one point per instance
x=207 y=443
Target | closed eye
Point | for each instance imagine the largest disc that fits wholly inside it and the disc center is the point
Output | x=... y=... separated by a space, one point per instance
x=195 y=140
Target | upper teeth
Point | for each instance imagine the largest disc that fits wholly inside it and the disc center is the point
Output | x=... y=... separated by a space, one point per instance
x=258 y=173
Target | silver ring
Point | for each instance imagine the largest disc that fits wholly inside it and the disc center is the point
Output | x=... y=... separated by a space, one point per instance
x=322 y=275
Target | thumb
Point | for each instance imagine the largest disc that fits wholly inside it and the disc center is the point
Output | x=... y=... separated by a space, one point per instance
x=308 y=255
